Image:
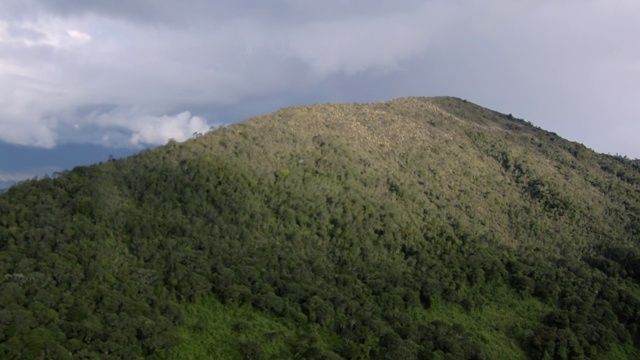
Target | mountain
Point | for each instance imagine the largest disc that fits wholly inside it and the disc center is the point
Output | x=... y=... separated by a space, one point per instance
x=427 y=228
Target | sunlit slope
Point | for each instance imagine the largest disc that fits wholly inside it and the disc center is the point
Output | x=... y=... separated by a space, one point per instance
x=442 y=157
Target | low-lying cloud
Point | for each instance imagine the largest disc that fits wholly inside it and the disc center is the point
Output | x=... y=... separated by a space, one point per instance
x=149 y=129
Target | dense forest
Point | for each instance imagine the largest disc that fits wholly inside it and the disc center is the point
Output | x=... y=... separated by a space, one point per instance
x=419 y=228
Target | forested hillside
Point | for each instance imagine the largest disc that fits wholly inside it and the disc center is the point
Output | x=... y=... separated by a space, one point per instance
x=419 y=228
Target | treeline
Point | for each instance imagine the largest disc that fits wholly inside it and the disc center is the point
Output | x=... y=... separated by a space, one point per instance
x=358 y=253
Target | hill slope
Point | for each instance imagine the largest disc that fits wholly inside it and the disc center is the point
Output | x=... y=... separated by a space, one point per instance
x=414 y=228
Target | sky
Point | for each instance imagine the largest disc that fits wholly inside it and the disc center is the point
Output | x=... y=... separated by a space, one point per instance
x=84 y=80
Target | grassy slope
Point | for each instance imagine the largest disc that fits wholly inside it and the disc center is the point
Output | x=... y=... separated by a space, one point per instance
x=483 y=164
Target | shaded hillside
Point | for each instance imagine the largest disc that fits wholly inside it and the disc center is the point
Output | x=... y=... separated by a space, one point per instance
x=414 y=228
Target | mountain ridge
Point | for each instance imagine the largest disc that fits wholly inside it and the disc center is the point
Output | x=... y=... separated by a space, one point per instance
x=439 y=136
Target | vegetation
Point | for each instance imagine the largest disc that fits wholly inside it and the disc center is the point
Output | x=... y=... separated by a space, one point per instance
x=426 y=228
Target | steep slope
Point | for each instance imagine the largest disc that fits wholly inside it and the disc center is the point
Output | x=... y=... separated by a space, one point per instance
x=419 y=227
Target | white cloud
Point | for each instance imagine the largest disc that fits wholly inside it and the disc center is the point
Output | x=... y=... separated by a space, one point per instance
x=150 y=129
x=161 y=129
x=39 y=134
x=78 y=36
x=18 y=125
x=48 y=33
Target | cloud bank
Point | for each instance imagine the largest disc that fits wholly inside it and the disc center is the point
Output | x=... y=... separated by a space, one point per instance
x=138 y=72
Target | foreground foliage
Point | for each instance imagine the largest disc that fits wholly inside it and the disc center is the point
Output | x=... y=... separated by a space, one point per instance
x=417 y=228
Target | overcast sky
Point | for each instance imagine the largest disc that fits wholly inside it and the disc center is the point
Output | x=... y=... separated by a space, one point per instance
x=128 y=74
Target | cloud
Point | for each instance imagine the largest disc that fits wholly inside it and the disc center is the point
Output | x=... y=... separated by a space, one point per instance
x=51 y=33
x=158 y=130
x=149 y=129
x=565 y=65
x=79 y=36
x=357 y=45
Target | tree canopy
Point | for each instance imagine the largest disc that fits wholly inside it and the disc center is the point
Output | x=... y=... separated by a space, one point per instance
x=427 y=228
